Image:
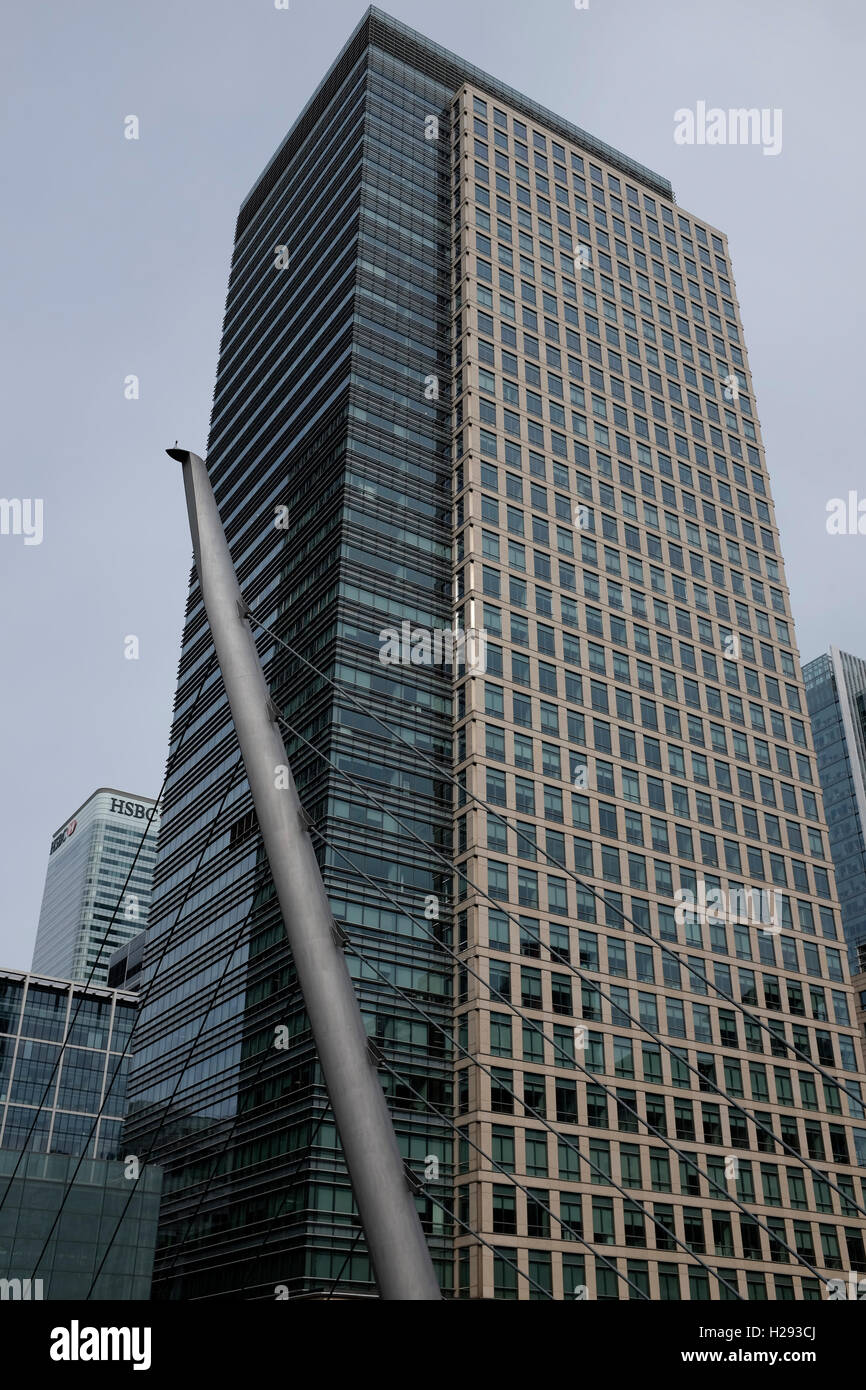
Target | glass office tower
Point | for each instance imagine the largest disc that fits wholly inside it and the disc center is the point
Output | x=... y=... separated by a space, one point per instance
x=478 y=368
x=97 y=885
x=836 y=696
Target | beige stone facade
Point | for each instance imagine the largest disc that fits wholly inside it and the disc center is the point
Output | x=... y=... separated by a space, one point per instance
x=641 y=728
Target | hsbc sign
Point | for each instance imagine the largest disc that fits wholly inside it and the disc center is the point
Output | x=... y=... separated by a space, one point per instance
x=132 y=808
x=62 y=836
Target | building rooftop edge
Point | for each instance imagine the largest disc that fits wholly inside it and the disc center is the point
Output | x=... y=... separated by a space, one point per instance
x=114 y=791
x=8 y=972
x=828 y=655
x=396 y=29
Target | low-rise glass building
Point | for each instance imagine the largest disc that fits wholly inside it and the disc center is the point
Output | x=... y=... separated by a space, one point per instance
x=80 y=1233
x=73 y=1205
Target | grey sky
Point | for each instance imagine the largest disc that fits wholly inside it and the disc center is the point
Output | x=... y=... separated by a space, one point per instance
x=117 y=252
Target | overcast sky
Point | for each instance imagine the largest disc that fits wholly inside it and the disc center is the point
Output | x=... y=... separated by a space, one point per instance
x=116 y=256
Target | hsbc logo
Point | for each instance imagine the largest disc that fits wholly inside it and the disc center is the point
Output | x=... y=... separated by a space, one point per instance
x=135 y=810
x=63 y=836
x=132 y=808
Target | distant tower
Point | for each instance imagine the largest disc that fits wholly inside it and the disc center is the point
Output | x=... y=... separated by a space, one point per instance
x=88 y=863
x=836 y=696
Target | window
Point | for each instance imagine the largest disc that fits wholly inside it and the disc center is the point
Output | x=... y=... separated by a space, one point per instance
x=501 y=1091
x=623 y=1063
x=500 y=1035
x=602 y=1221
x=505 y=1274
x=538 y=1214
x=530 y=988
x=503 y=1147
x=536 y=1153
x=693 y=1224
x=504 y=1211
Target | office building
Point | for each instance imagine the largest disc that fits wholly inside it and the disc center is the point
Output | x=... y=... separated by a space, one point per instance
x=836 y=697
x=61 y=1063
x=127 y=963
x=78 y=1264
x=38 y=1015
x=477 y=367
x=97 y=885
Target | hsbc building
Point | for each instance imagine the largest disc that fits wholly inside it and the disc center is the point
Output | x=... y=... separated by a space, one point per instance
x=97 y=893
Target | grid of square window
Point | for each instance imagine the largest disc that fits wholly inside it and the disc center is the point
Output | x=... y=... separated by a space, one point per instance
x=60 y=1059
x=639 y=733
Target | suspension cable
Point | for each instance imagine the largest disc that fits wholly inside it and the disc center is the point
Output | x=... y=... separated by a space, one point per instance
x=847 y=1199
x=581 y=883
x=681 y=1154
x=180 y=1074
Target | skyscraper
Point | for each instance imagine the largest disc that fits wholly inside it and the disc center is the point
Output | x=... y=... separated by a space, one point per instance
x=480 y=372
x=92 y=903
x=836 y=697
